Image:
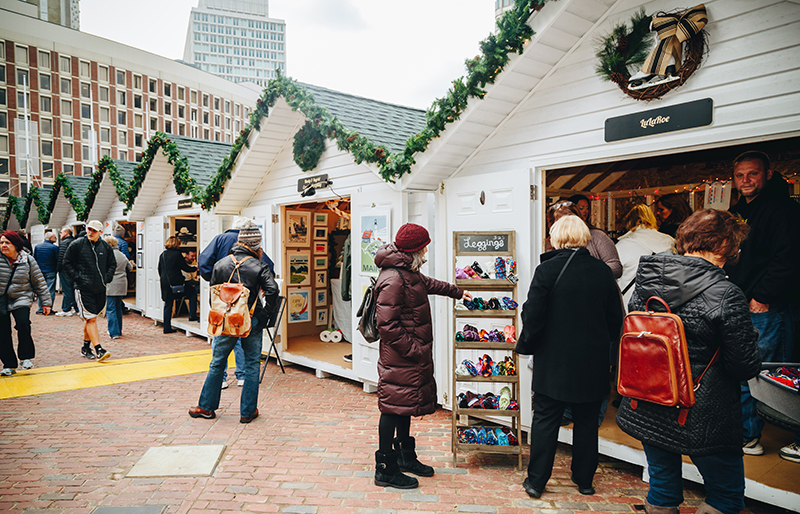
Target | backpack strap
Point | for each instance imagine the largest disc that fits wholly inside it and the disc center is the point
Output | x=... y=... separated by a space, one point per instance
x=684 y=411
x=236 y=265
x=558 y=278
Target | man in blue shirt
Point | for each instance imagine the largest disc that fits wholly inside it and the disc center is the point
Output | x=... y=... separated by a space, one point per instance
x=46 y=255
x=119 y=234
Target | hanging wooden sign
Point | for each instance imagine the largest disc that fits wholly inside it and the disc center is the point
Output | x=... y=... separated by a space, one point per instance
x=659 y=121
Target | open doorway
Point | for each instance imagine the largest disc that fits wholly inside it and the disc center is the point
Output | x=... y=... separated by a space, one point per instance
x=185 y=228
x=316 y=261
x=129 y=234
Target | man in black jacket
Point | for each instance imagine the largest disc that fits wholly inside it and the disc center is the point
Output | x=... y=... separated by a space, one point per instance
x=90 y=263
x=67 y=288
x=768 y=272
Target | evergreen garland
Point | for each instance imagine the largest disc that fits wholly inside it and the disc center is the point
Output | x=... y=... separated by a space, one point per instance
x=625 y=49
x=309 y=143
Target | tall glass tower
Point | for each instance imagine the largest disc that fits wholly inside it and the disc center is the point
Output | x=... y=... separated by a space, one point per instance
x=237 y=40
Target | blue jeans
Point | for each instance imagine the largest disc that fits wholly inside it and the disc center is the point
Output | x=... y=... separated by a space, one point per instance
x=68 y=290
x=723 y=477
x=238 y=358
x=222 y=347
x=775 y=344
x=114 y=315
x=50 y=278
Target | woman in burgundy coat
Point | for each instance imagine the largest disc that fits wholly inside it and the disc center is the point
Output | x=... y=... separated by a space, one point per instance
x=406 y=386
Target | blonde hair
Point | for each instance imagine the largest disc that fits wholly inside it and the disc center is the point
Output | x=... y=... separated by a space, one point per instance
x=569 y=232
x=111 y=240
x=641 y=216
x=172 y=242
x=418 y=259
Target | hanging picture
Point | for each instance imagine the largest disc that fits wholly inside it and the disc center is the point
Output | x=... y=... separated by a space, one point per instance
x=322 y=317
x=299 y=270
x=299 y=305
x=320 y=248
x=374 y=234
x=321 y=233
x=320 y=279
x=321 y=218
x=297 y=226
x=322 y=298
x=320 y=262
x=718 y=195
x=186 y=230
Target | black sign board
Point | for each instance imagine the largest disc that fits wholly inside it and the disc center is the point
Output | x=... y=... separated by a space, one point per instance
x=477 y=243
x=658 y=121
x=185 y=204
x=305 y=183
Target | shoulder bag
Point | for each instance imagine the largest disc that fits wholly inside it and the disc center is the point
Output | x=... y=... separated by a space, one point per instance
x=176 y=290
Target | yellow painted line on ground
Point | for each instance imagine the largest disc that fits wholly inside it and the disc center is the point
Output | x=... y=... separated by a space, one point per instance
x=94 y=374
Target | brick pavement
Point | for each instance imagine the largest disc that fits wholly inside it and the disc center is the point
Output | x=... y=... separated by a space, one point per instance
x=311 y=451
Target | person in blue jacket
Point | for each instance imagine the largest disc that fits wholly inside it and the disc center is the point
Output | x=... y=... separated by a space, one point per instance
x=218 y=248
x=122 y=245
x=46 y=255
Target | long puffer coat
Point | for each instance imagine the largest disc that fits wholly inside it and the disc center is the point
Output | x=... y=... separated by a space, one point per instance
x=715 y=315
x=406 y=385
x=27 y=279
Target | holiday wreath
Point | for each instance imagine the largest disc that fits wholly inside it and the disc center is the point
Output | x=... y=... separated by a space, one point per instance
x=309 y=143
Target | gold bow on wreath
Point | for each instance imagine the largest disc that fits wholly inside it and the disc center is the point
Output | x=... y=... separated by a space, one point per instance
x=672 y=30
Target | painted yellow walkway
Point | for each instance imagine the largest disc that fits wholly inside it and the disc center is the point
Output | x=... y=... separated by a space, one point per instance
x=94 y=374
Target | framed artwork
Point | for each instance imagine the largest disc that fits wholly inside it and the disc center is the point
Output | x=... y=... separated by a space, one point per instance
x=322 y=317
x=321 y=233
x=320 y=262
x=320 y=248
x=186 y=231
x=320 y=279
x=321 y=218
x=297 y=224
x=139 y=241
x=374 y=234
x=322 y=298
x=299 y=305
x=299 y=270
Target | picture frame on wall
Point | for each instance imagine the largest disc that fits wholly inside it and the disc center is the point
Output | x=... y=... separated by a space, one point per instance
x=297 y=228
x=375 y=232
x=320 y=218
x=320 y=248
x=299 y=303
x=299 y=268
x=321 y=279
x=185 y=230
x=322 y=317
x=320 y=262
x=321 y=233
x=322 y=298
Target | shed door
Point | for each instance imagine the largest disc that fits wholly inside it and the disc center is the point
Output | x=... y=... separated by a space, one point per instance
x=153 y=247
x=365 y=206
x=210 y=226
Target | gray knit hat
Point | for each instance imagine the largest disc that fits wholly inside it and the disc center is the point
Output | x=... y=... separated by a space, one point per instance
x=250 y=236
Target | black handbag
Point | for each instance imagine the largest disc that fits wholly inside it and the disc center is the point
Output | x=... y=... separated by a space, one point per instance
x=176 y=290
x=368 y=324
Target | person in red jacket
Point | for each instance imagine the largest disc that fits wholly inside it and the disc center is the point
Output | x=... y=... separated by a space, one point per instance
x=406 y=386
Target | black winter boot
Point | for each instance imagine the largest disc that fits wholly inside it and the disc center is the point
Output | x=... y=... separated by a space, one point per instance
x=387 y=473
x=407 y=460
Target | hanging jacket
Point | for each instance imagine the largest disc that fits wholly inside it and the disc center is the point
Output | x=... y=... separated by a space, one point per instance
x=27 y=280
x=715 y=315
x=406 y=385
x=90 y=265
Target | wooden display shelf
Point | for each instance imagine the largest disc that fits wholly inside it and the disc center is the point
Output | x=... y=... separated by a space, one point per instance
x=480 y=345
x=484 y=283
x=508 y=379
x=511 y=313
x=487 y=412
x=490 y=448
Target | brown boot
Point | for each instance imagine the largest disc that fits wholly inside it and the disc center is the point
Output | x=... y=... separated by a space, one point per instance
x=652 y=509
x=705 y=508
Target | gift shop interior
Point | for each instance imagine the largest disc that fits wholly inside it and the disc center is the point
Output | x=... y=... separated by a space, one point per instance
x=316 y=262
x=186 y=228
x=130 y=237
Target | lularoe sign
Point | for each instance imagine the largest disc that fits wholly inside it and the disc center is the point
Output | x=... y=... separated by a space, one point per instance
x=658 y=121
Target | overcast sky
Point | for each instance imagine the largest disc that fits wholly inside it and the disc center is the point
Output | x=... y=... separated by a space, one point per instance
x=400 y=51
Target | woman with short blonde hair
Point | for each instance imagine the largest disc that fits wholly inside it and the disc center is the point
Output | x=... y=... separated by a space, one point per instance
x=569 y=232
x=111 y=240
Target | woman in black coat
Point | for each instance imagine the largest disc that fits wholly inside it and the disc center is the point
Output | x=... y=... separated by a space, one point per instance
x=715 y=315
x=170 y=265
x=572 y=314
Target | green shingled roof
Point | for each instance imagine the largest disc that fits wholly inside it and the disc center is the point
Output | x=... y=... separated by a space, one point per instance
x=385 y=124
x=125 y=169
x=79 y=185
x=204 y=157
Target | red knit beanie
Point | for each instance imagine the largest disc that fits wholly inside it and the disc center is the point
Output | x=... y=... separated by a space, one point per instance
x=412 y=238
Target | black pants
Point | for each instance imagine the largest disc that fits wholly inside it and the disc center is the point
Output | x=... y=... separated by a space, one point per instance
x=22 y=317
x=547 y=414
x=388 y=425
x=169 y=300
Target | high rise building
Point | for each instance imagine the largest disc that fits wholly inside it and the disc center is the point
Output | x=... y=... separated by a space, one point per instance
x=62 y=12
x=501 y=6
x=236 y=40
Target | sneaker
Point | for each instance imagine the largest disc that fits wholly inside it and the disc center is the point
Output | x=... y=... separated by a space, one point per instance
x=348 y=357
x=114 y=337
x=224 y=384
x=27 y=364
x=752 y=447
x=7 y=372
x=240 y=382
x=791 y=452
x=102 y=354
x=62 y=313
x=87 y=352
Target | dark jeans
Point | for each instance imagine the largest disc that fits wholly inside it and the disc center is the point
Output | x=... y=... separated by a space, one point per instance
x=22 y=317
x=190 y=293
x=50 y=278
x=168 y=303
x=114 y=315
x=68 y=290
x=723 y=477
x=547 y=414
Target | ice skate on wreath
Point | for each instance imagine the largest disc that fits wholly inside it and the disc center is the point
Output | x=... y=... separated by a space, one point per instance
x=676 y=52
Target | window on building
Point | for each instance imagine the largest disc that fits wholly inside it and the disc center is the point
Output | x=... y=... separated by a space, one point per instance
x=86 y=70
x=102 y=73
x=120 y=77
x=66 y=150
x=154 y=104
x=137 y=101
x=66 y=86
x=2 y=72
x=216 y=120
x=86 y=91
x=85 y=131
x=47 y=148
x=181 y=129
x=205 y=118
x=3 y=171
x=44 y=60
x=236 y=126
x=152 y=85
x=137 y=157
x=23 y=100
x=103 y=93
x=193 y=115
x=105 y=114
x=123 y=155
x=21 y=55
x=86 y=153
x=168 y=108
x=66 y=108
x=181 y=93
x=3 y=119
x=153 y=123
x=137 y=121
x=64 y=64
x=105 y=135
x=86 y=111
x=194 y=132
x=66 y=129
x=45 y=104
x=122 y=137
x=205 y=100
x=137 y=140
x=122 y=119
x=205 y=134
x=45 y=82
x=88 y=170
x=3 y=143
x=227 y=107
x=122 y=98
x=181 y=111
x=216 y=104
x=46 y=126
x=137 y=82
x=193 y=97
x=216 y=136
x=168 y=127
x=23 y=78
x=3 y=100
x=68 y=169
x=47 y=170
x=236 y=110
x=167 y=89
